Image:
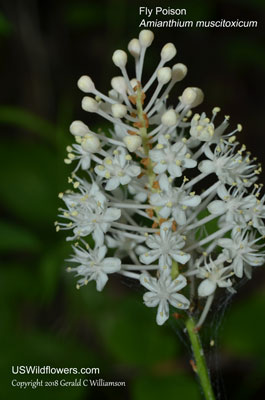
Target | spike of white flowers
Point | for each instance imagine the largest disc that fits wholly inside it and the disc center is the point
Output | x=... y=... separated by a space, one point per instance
x=142 y=190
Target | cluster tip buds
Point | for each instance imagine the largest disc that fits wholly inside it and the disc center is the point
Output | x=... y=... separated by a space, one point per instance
x=134 y=47
x=146 y=38
x=179 y=71
x=89 y=104
x=192 y=97
x=132 y=142
x=119 y=58
x=78 y=128
x=118 y=110
x=118 y=83
x=169 y=118
x=164 y=75
x=91 y=143
x=168 y=52
x=86 y=84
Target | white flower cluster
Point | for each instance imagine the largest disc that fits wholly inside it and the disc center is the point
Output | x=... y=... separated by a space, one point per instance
x=142 y=192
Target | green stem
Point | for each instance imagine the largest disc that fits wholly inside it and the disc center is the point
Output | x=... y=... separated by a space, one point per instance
x=200 y=367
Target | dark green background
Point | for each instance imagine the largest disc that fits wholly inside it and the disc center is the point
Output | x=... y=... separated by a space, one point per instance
x=45 y=46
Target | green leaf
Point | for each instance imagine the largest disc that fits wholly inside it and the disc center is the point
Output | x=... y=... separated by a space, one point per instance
x=16 y=238
x=243 y=334
x=177 y=386
x=132 y=336
x=5 y=25
x=24 y=119
x=51 y=270
x=28 y=182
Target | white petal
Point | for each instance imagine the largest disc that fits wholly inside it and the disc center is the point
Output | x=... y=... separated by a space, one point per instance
x=206 y=288
x=112 y=183
x=206 y=166
x=162 y=312
x=148 y=282
x=179 y=301
x=102 y=251
x=217 y=207
x=149 y=257
x=181 y=258
x=112 y=214
x=98 y=236
x=160 y=168
x=151 y=299
x=111 y=264
x=226 y=243
x=101 y=280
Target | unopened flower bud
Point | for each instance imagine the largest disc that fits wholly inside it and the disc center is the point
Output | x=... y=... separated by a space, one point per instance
x=133 y=83
x=133 y=142
x=192 y=97
x=179 y=71
x=118 y=83
x=91 y=143
x=146 y=38
x=78 y=128
x=134 y=47
x=118 y=110
x=89 y=104
x=164 y=75
x=86 y=84
x=119 y=58
x=169 y=118
x=168 y=52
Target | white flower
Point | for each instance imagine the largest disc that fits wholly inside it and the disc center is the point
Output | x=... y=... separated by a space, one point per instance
x=201 y=128
x=88 y=213
x=165 y=247
x=76 y=152
x=136 y=203
x=117 y=169
x=213 y=274
x=162 y=292
x=172 y=158
x=233 y=206
x=92 y=265
x=124 y=246
x=232 y=169
x=244 y=252
x=173 y=201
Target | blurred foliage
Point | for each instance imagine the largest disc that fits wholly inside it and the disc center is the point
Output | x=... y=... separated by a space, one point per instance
x=44 y=319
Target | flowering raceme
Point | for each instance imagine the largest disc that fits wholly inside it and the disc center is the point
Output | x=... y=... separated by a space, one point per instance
x=141 y=191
